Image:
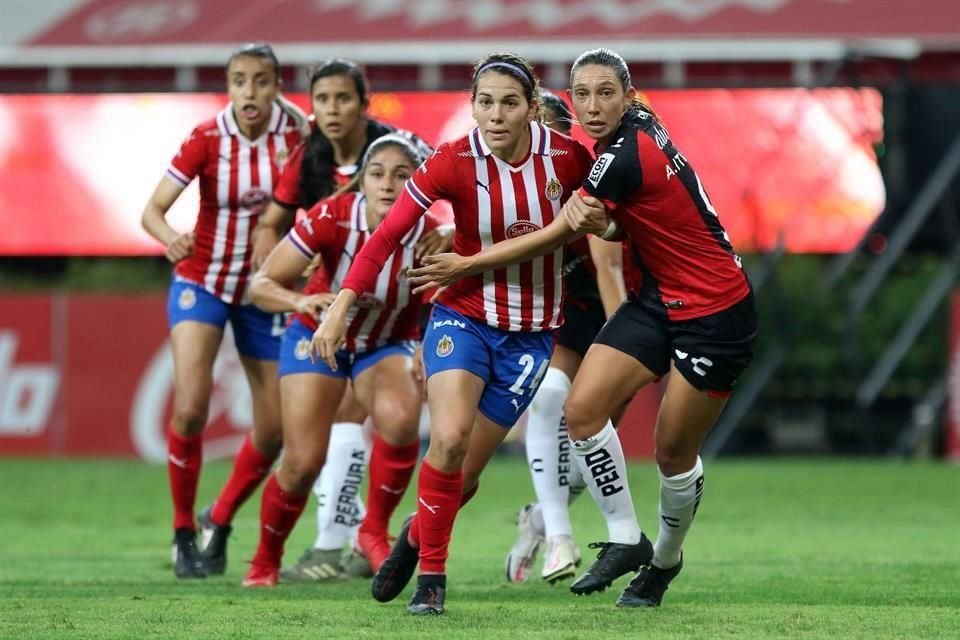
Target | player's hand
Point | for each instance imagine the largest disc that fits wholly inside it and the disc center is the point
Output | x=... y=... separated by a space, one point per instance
x=315 y=304
x=440 y=270
x=328 y=338
x=585 y=214
x=436 y=241
x=265 y=238
x=181 y=247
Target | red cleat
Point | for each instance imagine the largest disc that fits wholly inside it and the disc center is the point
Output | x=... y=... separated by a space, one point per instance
x=262 y=576
x=375 y=546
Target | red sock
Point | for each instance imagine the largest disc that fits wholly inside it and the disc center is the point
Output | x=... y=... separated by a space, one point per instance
x=279 y=512
x=438 y=500
x=390 y=471
x=184 y=458
x=249 y=469
x=414 y=532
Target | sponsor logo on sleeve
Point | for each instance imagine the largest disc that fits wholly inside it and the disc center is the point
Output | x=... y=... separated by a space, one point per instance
x=599 y=168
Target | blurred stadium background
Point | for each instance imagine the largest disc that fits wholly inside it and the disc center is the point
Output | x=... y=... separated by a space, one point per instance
x=828 y=132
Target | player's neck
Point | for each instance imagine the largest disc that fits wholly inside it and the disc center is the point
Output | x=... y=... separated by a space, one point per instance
x=251 y=131
x=518 y=152
x=346 y=150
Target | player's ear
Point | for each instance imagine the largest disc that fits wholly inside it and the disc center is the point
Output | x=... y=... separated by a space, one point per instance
x=534 y=110
x=630 y=95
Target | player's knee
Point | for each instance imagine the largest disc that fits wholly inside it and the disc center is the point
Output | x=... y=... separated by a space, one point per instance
x=190 y=416
x=397 y=422
x=449 y=446
x=582 y=419
x=674 y=458
x=301 y=470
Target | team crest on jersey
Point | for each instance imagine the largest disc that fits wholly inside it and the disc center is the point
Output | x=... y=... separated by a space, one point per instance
x=281 y=158
x=553 y=190
x=255 y=201
x=445 y=346
x=302 y=350
x=521 y=228
x=187 y=300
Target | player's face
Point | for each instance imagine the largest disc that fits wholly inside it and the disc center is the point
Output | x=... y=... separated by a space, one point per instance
x=253 y=84
x=386 y=173
x=336 y=106
x=599 y=100
x=503 y=115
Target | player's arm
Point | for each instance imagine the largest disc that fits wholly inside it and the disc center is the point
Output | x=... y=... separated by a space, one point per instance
x=271 y=227
x=608 y=258
x=154 y=220
x=444 y=269
x=272 y=286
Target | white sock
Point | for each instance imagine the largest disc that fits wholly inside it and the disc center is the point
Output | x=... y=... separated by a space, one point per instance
x=601 y=462
x=339 y=507
x=679 y=499
x=548 y=452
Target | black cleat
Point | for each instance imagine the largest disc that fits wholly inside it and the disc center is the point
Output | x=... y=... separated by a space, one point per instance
x=214 y=554
x=428 y=598
x=395 y=572
x=647 y=587
x=614 y=560
x=187 y=562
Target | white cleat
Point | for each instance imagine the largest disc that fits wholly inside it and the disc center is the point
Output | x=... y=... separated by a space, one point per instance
x=561 y=559
x=522 y=556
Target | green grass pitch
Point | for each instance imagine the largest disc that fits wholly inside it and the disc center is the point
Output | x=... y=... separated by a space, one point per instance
x=780 y=549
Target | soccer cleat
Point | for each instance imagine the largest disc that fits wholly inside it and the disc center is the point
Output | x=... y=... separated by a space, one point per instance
x=395 y=572
x=523 y=554
x=315 y=565
x=261 y=575
x=187 y=562
x=561 y=559
x=214 y=537
x=614 y=560
x=355 y=564
x=428 y=599
x=648 y=586
x=374 y=546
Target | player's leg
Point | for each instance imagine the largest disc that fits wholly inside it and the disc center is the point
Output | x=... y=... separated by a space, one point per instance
x=196 y=328
x=339 y=507
x=310 y=393
x=710 y=354
x=630 y=352
x=386 y=384
x=257 y=336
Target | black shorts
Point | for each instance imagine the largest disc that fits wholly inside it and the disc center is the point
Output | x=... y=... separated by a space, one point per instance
x=710 y=352
x=583 y=317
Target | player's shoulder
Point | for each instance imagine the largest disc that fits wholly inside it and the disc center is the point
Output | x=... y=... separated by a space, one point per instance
x=206 y=130
x=340 y=206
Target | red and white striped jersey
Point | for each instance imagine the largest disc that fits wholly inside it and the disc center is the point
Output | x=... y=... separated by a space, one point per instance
x=336 y=228
x=236 y=182
x=492 y=200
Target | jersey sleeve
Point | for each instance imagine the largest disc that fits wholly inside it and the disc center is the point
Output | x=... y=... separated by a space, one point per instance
x=314 y=232
x=287 y=192
x=431 y=182
x=617 y=173
x=189 y=161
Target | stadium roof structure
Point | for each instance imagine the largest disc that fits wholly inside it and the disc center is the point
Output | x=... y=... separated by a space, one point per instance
x=430 y=33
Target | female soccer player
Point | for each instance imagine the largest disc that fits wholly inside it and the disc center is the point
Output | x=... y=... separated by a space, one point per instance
x=341 y=133
x=378 y=357
x=594 y=288
x=489 y=339
x=237 y=157
x=694 y=317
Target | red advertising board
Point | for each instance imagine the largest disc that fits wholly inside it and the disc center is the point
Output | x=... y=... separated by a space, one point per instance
x=790 y=164
x=92 y=375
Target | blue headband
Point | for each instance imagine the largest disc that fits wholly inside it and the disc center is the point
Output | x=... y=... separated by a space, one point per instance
x=520 y=71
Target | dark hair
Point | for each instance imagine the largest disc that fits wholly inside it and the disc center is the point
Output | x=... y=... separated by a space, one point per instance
x=316 y=172
x=394 y=140
x=555 y=103
x=511 y=65
x=257 y=50
x=612 y=60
